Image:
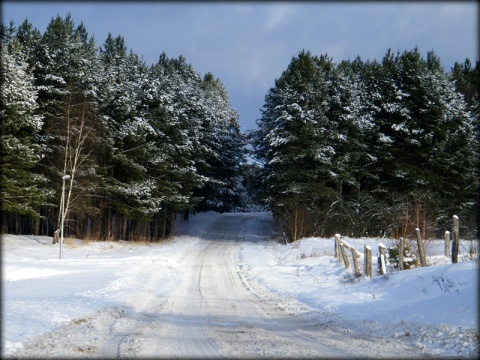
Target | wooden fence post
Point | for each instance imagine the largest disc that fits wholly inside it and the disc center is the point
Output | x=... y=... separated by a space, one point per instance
x=400 y=253
x=447 y=243
x=344 y=255
x=335 y=249
x=338 y=250
x=367 y=260
x=456 y=239
x=473 y=248
x=355 y=254
x=381 y=249
x=421 y=248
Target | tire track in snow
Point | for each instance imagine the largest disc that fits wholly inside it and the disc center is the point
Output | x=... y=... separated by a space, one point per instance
x=216 y=310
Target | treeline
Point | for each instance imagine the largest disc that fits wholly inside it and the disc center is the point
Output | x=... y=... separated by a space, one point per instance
x=371 y=147
x=139 y=142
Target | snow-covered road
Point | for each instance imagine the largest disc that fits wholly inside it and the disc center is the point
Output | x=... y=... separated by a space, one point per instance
x=194 y=297
x=215 y=310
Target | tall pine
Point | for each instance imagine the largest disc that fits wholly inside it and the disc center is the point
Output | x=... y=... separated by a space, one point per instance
x=23 y=189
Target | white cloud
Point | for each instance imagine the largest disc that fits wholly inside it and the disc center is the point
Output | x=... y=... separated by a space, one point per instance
x=275 y=16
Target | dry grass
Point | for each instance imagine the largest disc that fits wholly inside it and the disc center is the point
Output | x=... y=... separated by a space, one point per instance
x=74 y=243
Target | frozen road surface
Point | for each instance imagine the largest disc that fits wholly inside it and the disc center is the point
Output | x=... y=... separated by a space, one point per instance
x=214 y=309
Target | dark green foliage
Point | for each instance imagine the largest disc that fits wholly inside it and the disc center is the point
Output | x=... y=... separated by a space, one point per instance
x=355 y=147
x=362 y=147
x=467 y=81
x=140 y=143
x=409 y=258
x=23 y=191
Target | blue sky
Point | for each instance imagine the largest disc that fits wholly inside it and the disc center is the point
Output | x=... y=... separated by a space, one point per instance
x=248 y=44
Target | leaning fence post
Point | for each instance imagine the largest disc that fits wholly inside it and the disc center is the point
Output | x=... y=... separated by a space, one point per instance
x=381 y=249
x=344 y=255
x=367 y=260
x=447 y=243
x=456 y=239
x=335 y=247
x=421 y=249
x=400 y=253
x=338 y=250
x=355 y=262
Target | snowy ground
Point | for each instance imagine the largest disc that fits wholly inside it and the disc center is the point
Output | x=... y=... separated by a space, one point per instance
x=224 y=288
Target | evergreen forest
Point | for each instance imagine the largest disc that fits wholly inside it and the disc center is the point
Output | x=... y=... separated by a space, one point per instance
x=356 y=147
x=375 y=148
x=140 y=143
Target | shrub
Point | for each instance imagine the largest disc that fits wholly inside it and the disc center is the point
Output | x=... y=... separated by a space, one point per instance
x=410 y=259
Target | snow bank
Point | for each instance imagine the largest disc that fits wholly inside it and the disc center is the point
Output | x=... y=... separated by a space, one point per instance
x=434 y=295
x=436 y=306
x=42 y=292
x=433 y=308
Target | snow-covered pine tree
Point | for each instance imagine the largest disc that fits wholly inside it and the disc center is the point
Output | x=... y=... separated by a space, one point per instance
x=416 y=114
x=29 y=37
x=457 y=154
x=221 y=134
x=67 y=72
x=467 y=82
x=205 y=142
x=127 y=200
x=351 y=124
x=175 y=110
x=366 y=147
x=295 y=144
x=23 y=190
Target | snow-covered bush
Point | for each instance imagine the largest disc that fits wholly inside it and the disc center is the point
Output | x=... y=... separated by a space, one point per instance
x=410 y=259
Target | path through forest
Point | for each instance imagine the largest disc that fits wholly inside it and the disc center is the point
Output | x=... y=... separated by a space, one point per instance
x=215 y=310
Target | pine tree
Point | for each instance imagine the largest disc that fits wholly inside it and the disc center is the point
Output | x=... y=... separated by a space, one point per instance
x=294 y=142
x=416 y=114
x=67 y=74
x=179 y=130
x=23 y=190
x=366 y=147
x=127 y=193
x=221 y=133
x=467 y=82
x=138 y=143
x=29 y=38
x=352 y=124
